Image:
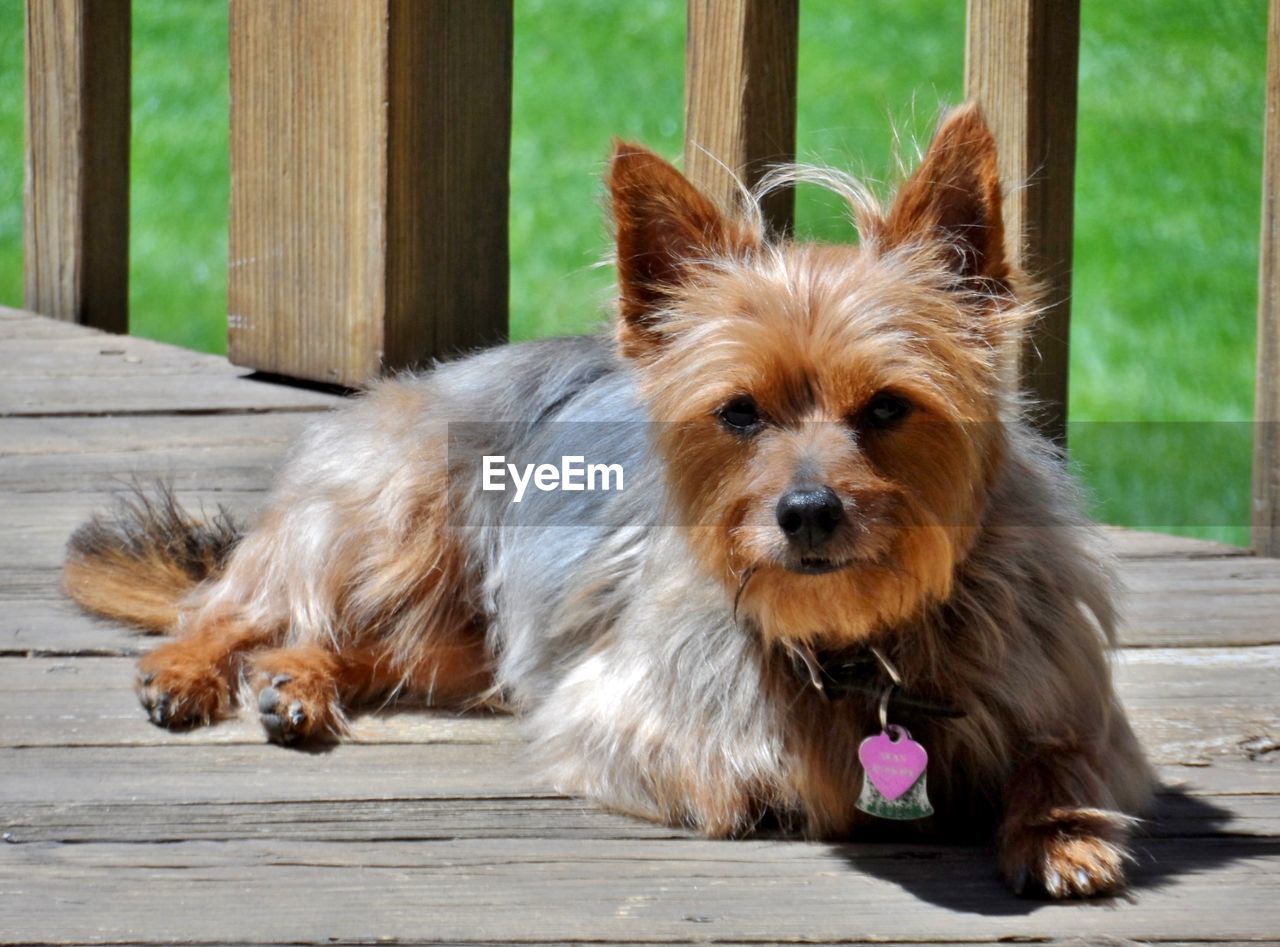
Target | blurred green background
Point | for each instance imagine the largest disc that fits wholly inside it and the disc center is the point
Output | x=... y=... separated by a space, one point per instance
x=1167 y=220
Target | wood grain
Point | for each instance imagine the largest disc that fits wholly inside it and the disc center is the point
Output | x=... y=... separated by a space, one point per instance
x=369 y=154
x=1194 y=709
x=55 y=369
x=1223 y=601
x=76 y=222
x=449 y=146
x=740 y=98
x=364 y=821
x=585 y=890
x=1021 y=60
x=178 y=774
x=1137 y=544
x=1266 y=444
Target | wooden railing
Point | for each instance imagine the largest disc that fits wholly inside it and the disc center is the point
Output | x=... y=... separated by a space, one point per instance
x=369 y=152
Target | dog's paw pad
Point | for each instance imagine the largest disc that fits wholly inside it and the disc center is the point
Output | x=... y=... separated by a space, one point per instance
x=296 y=710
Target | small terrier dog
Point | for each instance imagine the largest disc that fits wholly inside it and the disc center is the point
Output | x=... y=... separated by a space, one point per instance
x=834 y=512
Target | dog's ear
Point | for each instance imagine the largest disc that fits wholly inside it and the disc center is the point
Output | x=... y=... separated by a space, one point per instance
x=664 y=227
x=953 y=201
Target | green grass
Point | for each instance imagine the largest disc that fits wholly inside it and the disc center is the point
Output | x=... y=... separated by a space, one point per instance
x=1171 y=100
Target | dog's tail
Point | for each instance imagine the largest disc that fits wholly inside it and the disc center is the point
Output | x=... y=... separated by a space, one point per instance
x=137 y=563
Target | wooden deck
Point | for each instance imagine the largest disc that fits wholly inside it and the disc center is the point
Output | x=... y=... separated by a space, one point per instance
x=432 y=828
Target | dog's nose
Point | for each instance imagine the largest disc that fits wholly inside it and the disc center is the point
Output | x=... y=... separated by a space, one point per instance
x=809 y=517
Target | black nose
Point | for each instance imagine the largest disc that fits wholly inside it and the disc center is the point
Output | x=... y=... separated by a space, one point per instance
x=809 y=517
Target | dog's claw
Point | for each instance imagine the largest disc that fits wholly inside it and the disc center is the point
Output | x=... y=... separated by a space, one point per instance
x=1053 y=882
x=268 y=700
x=1019 y=883
x=273 y=725
x=281 y=679
x=297 y=716
x=160 y=711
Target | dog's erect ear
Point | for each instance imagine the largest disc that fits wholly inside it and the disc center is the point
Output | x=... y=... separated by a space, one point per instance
x=953 y=200
x=663 y=227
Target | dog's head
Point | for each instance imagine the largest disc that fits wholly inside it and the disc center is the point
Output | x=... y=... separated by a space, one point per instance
x=828 y=415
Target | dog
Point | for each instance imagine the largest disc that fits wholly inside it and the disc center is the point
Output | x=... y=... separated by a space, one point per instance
x=837 y=526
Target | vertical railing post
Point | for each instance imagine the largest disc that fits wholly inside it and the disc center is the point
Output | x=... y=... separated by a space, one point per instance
x=1021 y=59
x=740 y=97
x=1266 y=445
x=76 y=210
x=370 y=145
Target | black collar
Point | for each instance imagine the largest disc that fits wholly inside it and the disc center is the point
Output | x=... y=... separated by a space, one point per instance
x=837 y=674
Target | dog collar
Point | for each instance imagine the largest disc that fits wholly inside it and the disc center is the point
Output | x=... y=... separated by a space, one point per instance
x=863 y=670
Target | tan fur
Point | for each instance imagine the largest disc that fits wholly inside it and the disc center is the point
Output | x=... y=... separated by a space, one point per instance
x=143 y=592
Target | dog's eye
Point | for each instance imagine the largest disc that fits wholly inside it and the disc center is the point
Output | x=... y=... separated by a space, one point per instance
x=885 y=410
x=741 y=415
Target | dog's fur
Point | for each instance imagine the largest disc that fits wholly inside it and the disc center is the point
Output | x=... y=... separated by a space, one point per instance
x=646 y=644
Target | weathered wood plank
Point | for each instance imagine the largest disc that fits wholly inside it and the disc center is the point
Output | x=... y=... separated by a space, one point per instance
x=1137 y=544
x=372 y=820
x=21 y=324
x=740 y=98
x=1021 y=60
x=581 y=889
x=364 y=821
x=98 y=355
x=200 y=472
x=145 y=393
x=78 y=702
x=1192 y=708
x=364 y=139
x=183 y=772
x=1225 y=601
x=1266 y=444
x=73 y=456
x=52 y=625
x=1200 y=706
x=61 y=440
x=179 y=773
x=76 y=230
x=76 y=372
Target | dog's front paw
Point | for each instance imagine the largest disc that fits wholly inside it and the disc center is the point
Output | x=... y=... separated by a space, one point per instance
x=1071 y=853
x=297 y=696
x=180 y=689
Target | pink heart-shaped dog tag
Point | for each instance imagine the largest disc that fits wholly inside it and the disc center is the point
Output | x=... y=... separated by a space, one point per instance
x=892 y=765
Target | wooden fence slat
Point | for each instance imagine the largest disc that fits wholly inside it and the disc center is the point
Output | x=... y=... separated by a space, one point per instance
x=76 y=220
x=369 y=155
x=740 y=97
x=1021 y=59
x=1266 y=444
